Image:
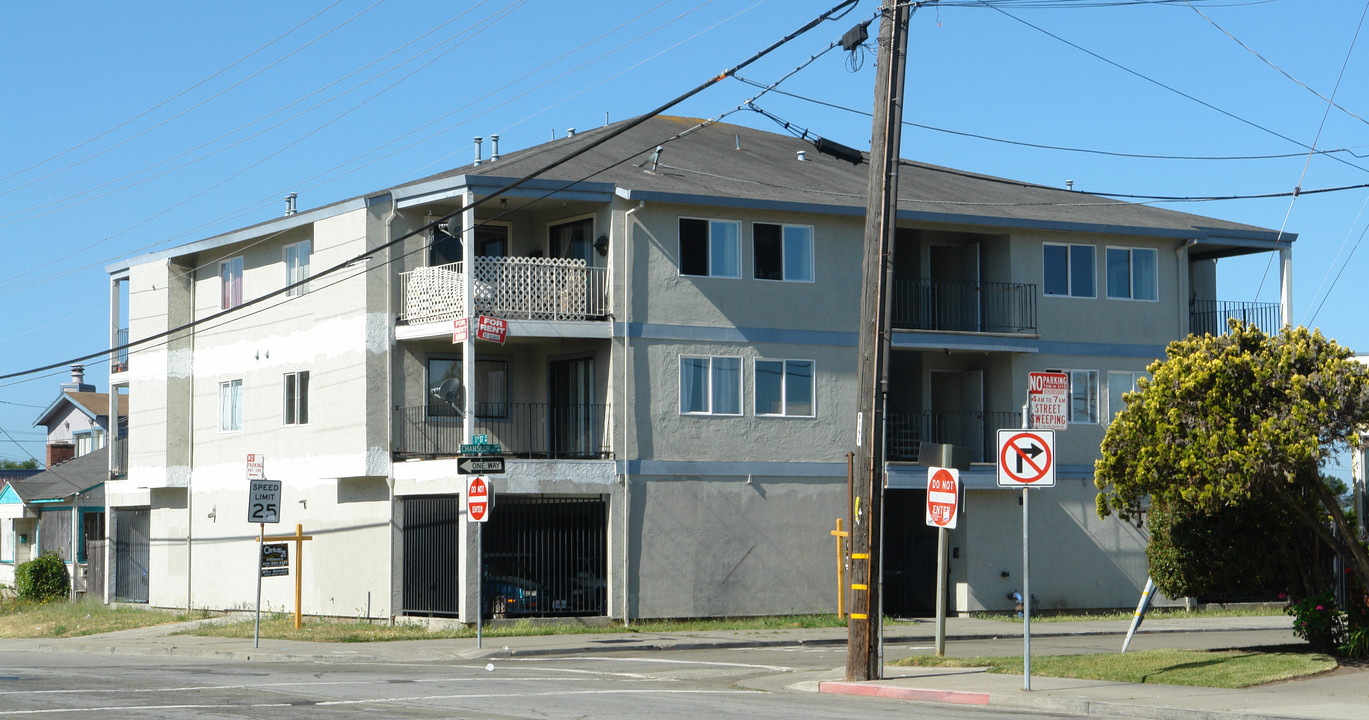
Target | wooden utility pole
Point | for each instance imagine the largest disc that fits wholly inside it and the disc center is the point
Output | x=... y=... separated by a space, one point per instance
x=863 y=661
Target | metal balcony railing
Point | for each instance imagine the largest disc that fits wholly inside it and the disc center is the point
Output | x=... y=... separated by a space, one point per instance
x=976 y=430
x=119 y=361
x=510 y=288
x=988 y=307
x=1208 y=317
x=529 y=430
x=118 y=458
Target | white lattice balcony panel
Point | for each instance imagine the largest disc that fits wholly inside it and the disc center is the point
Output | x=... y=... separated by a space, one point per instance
x=510 y=288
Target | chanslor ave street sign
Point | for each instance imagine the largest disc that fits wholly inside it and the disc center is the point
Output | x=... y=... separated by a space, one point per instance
x=1026 y=458
x=479 y=498
x=943 y=497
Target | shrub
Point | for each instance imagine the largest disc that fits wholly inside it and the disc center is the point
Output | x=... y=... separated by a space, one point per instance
x=1356 y=643
x=42 y=579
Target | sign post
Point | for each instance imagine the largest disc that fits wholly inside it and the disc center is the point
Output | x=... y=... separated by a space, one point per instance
x=943 y=509
x=1026 y=459
x=263 y=506
x=479 y=500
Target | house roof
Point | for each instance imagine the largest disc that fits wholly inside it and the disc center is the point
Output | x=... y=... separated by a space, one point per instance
x=721 y=164
x=85 y=474
x=93 y=404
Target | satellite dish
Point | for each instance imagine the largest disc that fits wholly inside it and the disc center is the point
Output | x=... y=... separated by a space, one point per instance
x=452 y=393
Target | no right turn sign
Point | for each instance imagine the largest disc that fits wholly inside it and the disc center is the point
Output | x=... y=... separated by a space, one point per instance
x=1026 y=458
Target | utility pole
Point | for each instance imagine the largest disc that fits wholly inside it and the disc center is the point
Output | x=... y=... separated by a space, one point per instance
x=863 y=661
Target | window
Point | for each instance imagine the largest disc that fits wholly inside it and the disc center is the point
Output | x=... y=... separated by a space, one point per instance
x=89 y=441
x=1084 y=397
x=784 y=387
x=444 y=248
x=1120 y=383
x=1068 y=270
x=297 y=266
x=491 y=387
x=297 y=398
x=710 y=385
x=783 y=252
x=491 y=241
x=1132 y=274
x=230 y=405
x=573 y=239
x=710 y=248
x=230 y=283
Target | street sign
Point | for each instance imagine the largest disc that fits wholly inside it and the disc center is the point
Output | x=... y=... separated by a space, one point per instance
x=459 y=330
x=1048 y=394
x=263 y=501
x=256 y=466
x=480 y=466
x=943 y=497
x=275 y=559
x=479 y=499
x=1026 y=458
x=481 y=449
x=492 y=329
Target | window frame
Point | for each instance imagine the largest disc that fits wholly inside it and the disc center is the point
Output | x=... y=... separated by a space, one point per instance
x=300 y=270
x=555 y=252
x=1116 y=405
x=784 y=253
x=230 y=282
x=1095 y=402
x=230 y=405
x=709 y=256
x=784 y=387
x=710 y=392
x=1132 y=284
x=1070 y=289
x=295 y=398
x=501 y=405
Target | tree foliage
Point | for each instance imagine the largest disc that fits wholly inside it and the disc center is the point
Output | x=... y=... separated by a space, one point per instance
x=1242 y=420
x=7 y=464
x=42 y=579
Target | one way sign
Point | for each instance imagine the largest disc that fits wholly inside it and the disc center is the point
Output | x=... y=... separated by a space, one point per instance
x=1026 y=458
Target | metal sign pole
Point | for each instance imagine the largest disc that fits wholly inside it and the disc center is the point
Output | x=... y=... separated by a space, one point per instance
x=1026 y=573
x=479 y=584
x=256 y=625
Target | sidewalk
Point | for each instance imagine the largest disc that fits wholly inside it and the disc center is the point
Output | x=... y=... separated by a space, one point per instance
x=1341 y=695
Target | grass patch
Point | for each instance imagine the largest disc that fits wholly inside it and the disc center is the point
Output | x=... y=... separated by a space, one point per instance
x=24 y=619
x=1217 y=669
x=282 y=627
x=1152 y=614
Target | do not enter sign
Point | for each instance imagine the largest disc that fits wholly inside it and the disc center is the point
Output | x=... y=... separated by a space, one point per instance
x=479 y=499
x=943 y=497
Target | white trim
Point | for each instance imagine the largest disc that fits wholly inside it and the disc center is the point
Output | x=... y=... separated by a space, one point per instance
x=812 y=252
x=709 y=246
x=1131 y=276
x=784 y=388
x=1069 y=270
x=708 y=385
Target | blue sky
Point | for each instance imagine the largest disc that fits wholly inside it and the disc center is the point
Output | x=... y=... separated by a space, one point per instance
x=136 y=126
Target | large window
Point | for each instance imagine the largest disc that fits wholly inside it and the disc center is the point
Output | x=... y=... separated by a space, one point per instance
x=297 y=398
x=1068 y=270
x=783 y=252
x=784 y=387
x=444 y=247
x=491 y=387
x=710 y=385
x=572 y=239
x=230 y=405
x=1120 y=383
x=1132 y=273
x=230 y=283
x=297 y=266
x=710 y=247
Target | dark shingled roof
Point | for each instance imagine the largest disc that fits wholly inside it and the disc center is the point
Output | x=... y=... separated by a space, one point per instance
x=60 y=482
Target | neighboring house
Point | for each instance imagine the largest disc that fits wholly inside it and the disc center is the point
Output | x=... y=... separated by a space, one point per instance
x=78 y=420
x=676 y=394
x=51 y=511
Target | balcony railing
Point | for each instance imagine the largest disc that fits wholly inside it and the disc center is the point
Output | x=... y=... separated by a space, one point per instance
x=1208 y=317
x=988 y=307
x=528 y=430
x=510 y=288
x=119 y=361
x=976 y=430
x=118 y=458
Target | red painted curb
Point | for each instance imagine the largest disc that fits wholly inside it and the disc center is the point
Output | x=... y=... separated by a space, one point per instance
x=954 y=697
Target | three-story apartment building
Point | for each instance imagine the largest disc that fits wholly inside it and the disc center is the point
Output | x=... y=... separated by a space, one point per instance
x=675 y=393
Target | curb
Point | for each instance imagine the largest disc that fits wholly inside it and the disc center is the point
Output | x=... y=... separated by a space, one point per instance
x=949 y=697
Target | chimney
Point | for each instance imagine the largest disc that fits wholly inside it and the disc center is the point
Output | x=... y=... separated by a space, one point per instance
x=494 y=148
x=78 y=381
x=477 y=149
x=290 y=204
x=59 y=452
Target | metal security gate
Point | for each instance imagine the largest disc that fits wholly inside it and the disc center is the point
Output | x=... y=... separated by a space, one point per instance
x=431 y=529
x=909 y=555
x=546 y=556
x=131 y=553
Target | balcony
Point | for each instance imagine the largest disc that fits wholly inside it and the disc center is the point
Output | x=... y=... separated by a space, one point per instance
x=1208 y=317
x=974 y=429
x=118 y=457
x=119 y=361
x=513 y=288
x=979 y=307
x=527 y=430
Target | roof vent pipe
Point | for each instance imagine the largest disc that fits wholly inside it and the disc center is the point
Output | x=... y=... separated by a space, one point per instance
x=739 y=142
x=656 y=157
x=290 y=203
x=494 y=148
x=803 y=156
x=477 y=149
x=570 y=132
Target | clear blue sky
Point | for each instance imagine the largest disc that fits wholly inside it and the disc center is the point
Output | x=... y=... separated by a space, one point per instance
x=133 y=126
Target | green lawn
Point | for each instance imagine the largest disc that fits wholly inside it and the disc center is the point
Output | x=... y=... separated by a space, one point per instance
x=22 y=619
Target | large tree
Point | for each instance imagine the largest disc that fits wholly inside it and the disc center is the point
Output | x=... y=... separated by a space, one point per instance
x=1225 y=422
x=7 y=464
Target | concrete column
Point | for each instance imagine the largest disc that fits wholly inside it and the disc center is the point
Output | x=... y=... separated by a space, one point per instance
x=1286 y=284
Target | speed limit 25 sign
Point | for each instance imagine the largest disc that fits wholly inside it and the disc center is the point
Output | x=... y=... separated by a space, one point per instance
x=263 y=501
